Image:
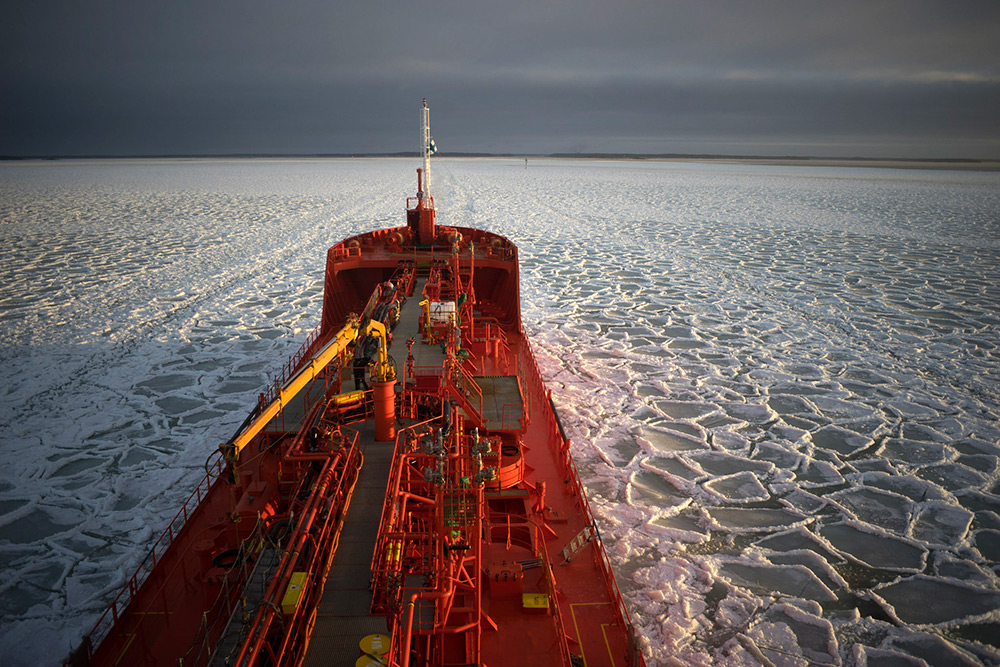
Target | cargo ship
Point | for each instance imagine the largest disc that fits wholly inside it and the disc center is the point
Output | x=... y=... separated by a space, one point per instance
x=405 y=494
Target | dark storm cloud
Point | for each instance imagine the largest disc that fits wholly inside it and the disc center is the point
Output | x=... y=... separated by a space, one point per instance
x=847 y=78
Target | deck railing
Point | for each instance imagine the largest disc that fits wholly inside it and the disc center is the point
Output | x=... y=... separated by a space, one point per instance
x=291 y=366
x=472 y=391
x=512 y=417
x=561 y=445
x=561 y=629
x=484 y=332
x=111 y=615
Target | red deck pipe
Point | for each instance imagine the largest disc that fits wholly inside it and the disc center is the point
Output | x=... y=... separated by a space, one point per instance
x=256 y=637
x=442 y=590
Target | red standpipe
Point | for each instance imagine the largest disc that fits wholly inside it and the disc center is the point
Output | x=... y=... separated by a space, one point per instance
x=385 y=410
x=443 y=590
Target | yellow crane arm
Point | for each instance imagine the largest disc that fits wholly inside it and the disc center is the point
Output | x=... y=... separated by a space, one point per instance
x=331 y=351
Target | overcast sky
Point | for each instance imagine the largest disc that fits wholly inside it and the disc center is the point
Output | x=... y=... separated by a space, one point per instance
x=871 y=78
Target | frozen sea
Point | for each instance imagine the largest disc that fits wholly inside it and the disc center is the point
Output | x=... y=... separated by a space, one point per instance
x=782 y=383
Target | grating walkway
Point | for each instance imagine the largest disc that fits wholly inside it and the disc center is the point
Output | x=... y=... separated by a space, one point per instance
x=343 y=617
x=503 y=405
x=424 y=356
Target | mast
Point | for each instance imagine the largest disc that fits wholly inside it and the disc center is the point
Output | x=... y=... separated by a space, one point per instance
x=420 y=218
x=426 y=144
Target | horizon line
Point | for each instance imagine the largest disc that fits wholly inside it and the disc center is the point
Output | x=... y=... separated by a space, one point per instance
x=577 y=155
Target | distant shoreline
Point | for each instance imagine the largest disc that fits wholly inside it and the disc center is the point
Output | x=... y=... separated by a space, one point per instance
x=959 y=164
x=880 y=163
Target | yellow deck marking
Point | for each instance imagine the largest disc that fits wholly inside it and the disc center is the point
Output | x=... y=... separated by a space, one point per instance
x=577 y=628
x=131 y=638
x=131 y=635
x=604 y=631
x=578 y=640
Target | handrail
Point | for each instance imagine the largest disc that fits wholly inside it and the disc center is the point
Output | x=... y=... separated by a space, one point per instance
x=561 y=446
x=486 y=330
x=476 y=390
x=166 y=538
x=513 y=414
x=426 y=202
x=340 y=251
x=293 y=362
x=553 y=596
x=317 y=510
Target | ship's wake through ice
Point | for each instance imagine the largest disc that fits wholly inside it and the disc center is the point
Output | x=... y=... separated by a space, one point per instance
x=781 y=384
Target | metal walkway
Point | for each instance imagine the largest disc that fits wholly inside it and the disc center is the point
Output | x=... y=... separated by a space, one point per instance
x=424 y=355
x=343 y=617
x=503 y=404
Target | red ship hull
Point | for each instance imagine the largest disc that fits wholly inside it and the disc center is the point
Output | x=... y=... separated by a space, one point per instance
x=416 y=510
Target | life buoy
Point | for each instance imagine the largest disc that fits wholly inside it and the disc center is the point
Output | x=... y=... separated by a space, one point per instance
x=278 y=532
x=226 y=559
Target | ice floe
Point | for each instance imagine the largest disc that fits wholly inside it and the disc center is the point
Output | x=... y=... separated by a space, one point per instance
x=880 y=508
x=871 y=546
x=791 y=579
x=925 y=600
x=740 y=487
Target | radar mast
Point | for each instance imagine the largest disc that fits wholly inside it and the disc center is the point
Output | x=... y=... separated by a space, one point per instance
x=427 y=147
x=420 y=217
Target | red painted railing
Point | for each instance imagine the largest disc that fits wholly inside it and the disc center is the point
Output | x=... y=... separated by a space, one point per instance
x=561 y=445
x=110 y=617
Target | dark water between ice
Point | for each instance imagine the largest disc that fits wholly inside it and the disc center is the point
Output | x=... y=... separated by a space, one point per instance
x=782 y=384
